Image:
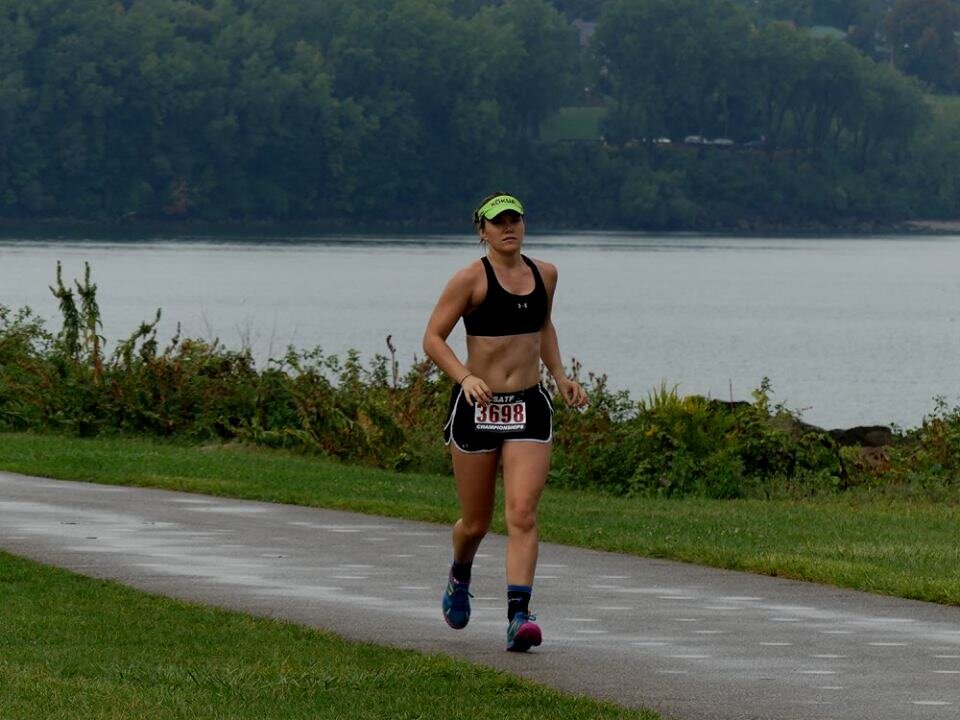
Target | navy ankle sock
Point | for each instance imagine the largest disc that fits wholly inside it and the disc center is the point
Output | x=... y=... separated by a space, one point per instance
x=518 y=599
x=461 y=571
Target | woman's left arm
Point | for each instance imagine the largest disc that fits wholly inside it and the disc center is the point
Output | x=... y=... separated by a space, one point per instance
x=571 y=391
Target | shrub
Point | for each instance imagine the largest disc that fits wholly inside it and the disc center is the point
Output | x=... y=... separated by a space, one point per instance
x=663 y=445
x=670 y=445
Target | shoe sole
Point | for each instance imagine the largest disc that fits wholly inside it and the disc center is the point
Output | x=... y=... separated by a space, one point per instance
x=455 y=627
x=450 y=624
x=527 y=637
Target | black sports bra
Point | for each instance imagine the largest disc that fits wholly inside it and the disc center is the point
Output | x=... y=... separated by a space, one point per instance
x=503 y=313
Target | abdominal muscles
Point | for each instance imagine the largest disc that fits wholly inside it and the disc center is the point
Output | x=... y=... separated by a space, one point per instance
x=507 y=363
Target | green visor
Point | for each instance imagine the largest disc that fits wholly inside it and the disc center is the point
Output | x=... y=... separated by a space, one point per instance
x=494 y=206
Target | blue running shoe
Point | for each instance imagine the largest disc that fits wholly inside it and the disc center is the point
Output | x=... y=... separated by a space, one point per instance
x=456 y=604
x=523 y=633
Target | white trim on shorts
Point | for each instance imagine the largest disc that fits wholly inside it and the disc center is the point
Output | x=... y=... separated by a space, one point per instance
x=534 y=440
x=453 y=414
x=474 y=452
x=549 y=404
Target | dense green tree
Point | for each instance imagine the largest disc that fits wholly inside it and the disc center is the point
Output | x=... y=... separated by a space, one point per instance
x=535 y=71
x=579 y=9
x=922 y=35
x=938 y=154
x=841 y=13
x=469 y=8
x=833 y=90
x=795 y=11
x=632 y=64
x=781 y=56
x=17 y=167
x=572 y=9
x=892 y=112
x=836 y=13
x=673 y=67
x=406 y=111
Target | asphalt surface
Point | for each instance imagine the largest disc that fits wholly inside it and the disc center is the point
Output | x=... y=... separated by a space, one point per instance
x=690 y=642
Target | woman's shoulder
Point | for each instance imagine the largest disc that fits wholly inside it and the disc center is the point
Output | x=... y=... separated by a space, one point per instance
x=474 y=270
x=547 y=270
x=469 y=276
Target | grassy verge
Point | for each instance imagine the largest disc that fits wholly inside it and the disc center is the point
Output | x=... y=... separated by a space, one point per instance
x=893 y=545
x=72 y=647
x=945 y=104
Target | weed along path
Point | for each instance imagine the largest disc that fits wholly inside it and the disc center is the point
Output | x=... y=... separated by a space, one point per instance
x=690 y=642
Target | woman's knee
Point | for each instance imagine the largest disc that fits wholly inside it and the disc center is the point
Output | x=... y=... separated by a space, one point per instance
x=521 y=517
x=475 y=528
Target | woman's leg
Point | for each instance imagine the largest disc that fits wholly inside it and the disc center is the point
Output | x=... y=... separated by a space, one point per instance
x=525 y=467
x=475 y=475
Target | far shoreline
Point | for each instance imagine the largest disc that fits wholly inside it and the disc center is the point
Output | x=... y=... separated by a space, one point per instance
x=937 y=227
x=69 y=228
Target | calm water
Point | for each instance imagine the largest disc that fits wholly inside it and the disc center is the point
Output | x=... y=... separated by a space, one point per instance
x=849 y=330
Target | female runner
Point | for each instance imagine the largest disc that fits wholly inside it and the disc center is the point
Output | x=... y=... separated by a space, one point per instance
x=499 y=413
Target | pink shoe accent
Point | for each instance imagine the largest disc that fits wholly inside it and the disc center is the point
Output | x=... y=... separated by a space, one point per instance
x=527 y=636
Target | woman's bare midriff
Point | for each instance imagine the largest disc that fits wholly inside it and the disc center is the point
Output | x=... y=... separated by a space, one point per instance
x=507 y=363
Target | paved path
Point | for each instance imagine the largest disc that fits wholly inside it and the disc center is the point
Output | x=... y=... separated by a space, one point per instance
x=691 y=642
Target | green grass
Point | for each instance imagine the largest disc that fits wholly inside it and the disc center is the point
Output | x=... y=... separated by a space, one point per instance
x=573 y=123
x=944 y=103
x=946 y=115
x=73 y=647
x=893 y=545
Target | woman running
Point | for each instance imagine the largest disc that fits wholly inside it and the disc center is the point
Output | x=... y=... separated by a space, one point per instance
x=499 y=412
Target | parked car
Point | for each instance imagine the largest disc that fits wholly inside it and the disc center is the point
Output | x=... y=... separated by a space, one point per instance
x=695 y=140
x=722 y=142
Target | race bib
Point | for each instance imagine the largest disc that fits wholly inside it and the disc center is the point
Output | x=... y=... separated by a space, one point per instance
x=508 y=416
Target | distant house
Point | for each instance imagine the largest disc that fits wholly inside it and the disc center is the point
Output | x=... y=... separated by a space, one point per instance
x=586 y=28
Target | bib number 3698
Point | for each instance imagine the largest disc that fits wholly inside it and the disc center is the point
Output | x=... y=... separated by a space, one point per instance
x=501 y=417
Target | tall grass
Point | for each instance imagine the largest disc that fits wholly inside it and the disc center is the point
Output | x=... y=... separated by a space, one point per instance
x=663 y=445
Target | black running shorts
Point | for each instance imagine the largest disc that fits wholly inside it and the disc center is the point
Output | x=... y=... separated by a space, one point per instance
x=522 y=415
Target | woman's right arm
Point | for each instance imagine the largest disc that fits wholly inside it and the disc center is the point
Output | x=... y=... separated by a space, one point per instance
x=454 y=301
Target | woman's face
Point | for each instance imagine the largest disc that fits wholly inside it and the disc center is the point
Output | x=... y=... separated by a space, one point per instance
x=505 y=232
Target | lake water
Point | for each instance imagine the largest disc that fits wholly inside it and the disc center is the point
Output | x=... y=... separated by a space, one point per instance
x=849 y=330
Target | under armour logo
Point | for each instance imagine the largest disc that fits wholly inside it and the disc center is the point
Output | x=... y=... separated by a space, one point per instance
x=521 y=306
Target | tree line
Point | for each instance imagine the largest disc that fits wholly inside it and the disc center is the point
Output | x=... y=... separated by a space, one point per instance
x=918 y=37
x=407 y=111
x=722 y=76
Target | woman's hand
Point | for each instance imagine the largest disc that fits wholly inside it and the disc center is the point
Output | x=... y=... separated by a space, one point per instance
x=475 y=390
x=573 y=394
